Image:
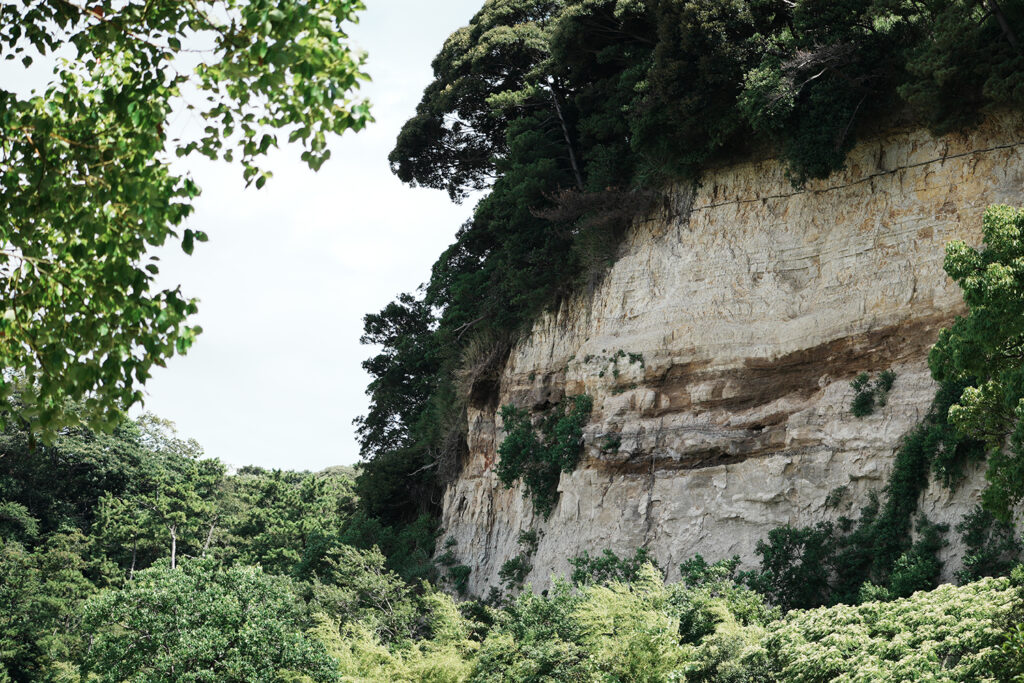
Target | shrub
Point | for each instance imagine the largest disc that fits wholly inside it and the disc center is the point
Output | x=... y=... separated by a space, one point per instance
x=513 y=572
x=948 y=634
x=868 y=394
x=627 y=629
x=458 y=577
x=795 y=566
x=991 y=545
x=536 y=639
x=918 y=569
x=356 y=586
x=409 y=548
x=608 y=567
x=201 y=623
x=528 y=541
x=539 y=460
x=1009 y=661
x=710 y=595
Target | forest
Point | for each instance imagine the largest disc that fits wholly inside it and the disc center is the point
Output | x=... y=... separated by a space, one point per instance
x=131 y=557
x=126 y=554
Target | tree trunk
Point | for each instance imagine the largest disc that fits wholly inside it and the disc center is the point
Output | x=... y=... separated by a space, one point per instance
x=997 y=12
x=568 y=138
x=174 y=547
x=135 y=548
x=209 y=537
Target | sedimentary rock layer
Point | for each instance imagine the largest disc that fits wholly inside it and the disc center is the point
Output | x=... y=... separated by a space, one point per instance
x=719 y=351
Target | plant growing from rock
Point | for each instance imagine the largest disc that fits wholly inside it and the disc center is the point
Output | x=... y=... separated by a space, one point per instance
x=457 y=575
x=514 y=571
x=608 y=567
x=992 y=545
x=538 y=456
x=982 y=351
x=868 y=394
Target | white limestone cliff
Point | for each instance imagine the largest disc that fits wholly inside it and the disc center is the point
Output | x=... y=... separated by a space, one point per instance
x=743 y=308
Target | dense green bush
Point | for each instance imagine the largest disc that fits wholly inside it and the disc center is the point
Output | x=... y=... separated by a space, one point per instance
x=201 y=623
x=608 y=567
x=535 y=638
x=538 y=460
x=408 y=547
x=710 y=595
x=991 y=545
x=868 y=394
x=796 y=566
x=710 y=628
x=1009 y=661
x=981 y=352
x=918 y=568
x=513 y=572
x=87 y=528
x=948 y=634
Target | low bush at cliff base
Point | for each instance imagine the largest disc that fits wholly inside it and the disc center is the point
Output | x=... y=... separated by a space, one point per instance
x=948 y=634
x=706 y=628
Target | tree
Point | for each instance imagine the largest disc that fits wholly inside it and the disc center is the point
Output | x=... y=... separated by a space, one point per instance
x=286 y=521
x=61 y=484
x=355 y=586
x=401 y=373
x=170 y=502
x=985 y=350
x=459 y=130
x=178 y=505
x=202 y=624
x=970 y=64
x=41 y=597
x=86 y=187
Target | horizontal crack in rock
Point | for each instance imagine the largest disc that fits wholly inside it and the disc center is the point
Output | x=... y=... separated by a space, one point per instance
x=796 y=374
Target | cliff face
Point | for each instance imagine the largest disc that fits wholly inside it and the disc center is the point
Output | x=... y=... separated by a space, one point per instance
x=719 y=351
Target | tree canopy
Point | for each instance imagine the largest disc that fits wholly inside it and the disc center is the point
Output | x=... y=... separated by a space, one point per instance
x=985 y=351
x=206 y=624
x=280 y=578
x=87 y=189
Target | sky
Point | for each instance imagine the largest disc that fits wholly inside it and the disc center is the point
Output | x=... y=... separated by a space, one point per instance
x=275 y=380
x=290 y=270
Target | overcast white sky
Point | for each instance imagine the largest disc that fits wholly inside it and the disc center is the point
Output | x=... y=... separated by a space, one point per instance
x=290 y=270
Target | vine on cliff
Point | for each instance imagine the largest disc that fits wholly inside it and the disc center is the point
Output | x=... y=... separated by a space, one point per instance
x=539 y=459
x=832 y=563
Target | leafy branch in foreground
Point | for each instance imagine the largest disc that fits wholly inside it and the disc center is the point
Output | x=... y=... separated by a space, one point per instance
x=86 y=188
